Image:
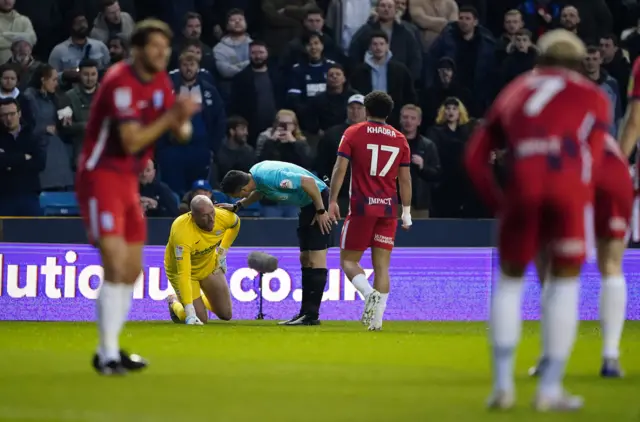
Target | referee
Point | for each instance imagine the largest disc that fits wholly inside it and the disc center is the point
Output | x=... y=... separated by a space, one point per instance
x=293 y=185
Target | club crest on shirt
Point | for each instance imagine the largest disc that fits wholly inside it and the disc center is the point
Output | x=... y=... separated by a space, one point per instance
x=218 y=232
x=122 y=98
x=178 y=252
x=158 y=99
x=286 y=184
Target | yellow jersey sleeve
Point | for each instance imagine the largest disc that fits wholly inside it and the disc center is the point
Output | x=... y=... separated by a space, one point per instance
x=231 y=225
x=181 y=240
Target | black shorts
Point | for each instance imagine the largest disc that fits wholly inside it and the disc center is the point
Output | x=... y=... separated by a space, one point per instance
x=309 y=235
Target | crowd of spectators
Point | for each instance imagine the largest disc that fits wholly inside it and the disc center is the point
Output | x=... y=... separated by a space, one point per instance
x=281 y=80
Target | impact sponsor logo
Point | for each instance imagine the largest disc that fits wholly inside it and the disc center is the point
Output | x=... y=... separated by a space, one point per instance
x=71 y=279
x=379 y=201
x=381 y=130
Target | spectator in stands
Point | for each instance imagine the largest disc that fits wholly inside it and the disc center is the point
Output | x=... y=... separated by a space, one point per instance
x=425 y=163
x=473 y=48
x=512 y=24
x=309 y=77
x=8 y=82
x=404 y=46
x=235 y=153
x=379 y=72
x=283 y=142
x=80 y=97
x=480 y=6
x=521 y=57
x=630 y=40
x=616 y=63
x=51 y=114
x=330 y=107
x=259 y=80
x=156 y=198
x=118 y=49
x=93 y=8
x=199 y=187
x=22 y=158
x=66 y=56
x=446 y=86
x=13 y=26
x=180 y=165
x=232 y=52
x=283 y=22
x=432 y=16
x=112 y=21
x=23 y=61
x=296 y=51
x=194 y=47
x=192 y=31
x=328 y=146
x=540 y=15
x=252 y=13
x=46 y=17
x=593 y=69
x=454 y=197
x=595 y=19
x=345 y=17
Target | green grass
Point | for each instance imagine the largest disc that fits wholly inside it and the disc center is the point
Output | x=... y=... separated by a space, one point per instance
x=249 y=371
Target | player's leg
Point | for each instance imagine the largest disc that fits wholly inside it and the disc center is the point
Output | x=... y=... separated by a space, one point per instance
x=355 y=238
x=176 y=308
x=217 y=297
x=542 y=263
x=517 y=246
x=568 y=222
x=384 y=234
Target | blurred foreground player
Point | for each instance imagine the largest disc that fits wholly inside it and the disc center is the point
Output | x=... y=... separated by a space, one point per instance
x=380 y=157
x=613 y=204
x=629 y=137
x=195 y=259
x=292 y=184
x=553 y=123
x=133 y=107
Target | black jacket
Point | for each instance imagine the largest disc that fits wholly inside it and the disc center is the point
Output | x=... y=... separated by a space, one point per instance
x=325 y=110
x=515 y=64
x=432 y=99
x=327 y=152
x=399 y=86
x=167 y=201
x=21 y=161
x=423 y=179
x=237 y=158
x=620 y=70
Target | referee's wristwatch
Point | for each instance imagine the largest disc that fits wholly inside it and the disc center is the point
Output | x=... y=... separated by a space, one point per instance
x=237 y=206
x=321 y=211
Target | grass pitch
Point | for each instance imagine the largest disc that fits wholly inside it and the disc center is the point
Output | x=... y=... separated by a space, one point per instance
x=250 y=371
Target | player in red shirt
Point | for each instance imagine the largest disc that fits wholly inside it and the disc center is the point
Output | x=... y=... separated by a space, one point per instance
x=380 y=157
x=132 y=108
x=613 y=204
x=552 y=122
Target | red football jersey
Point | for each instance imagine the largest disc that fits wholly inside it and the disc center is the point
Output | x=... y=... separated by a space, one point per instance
x=552 y=123
x=376 y=152
x=634 y=94
x=122 y=96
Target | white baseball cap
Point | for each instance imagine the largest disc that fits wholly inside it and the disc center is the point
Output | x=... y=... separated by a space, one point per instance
x=357 y=98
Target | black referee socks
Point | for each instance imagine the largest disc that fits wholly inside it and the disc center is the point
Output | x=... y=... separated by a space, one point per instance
x=314 y=281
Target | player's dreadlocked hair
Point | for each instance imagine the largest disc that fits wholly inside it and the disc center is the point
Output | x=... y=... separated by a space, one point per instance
x=140 y=36
x=378 y=104
x=234 y=181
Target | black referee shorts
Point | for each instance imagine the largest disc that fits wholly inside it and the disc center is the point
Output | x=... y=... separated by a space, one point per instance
x=309 y=236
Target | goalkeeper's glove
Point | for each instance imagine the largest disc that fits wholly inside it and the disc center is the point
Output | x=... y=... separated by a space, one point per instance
x=193 y=320
x=222 y=259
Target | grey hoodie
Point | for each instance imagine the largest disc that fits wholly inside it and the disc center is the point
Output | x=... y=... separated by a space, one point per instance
x=378 y=71
x=231 y=56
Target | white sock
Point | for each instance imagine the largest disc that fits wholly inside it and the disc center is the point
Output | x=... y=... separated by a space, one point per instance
x=109 y=315
x=613 y=307
x=361 y=283
x=127 y=299
x=505 y=322
x=189 y=310
x=382 y=306
x=562 y=313
x=544 y=320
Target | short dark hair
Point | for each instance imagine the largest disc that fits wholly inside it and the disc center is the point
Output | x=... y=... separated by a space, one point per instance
x=469 y=9
x=234 y=121
x=234 y=12
x=315 y=10
x=189 y=42
x=87 y=63
x=611 y=37
x=118 y=37
x=9 y=67
x=379 y=34
x=258 y=43
x=8 y=101
x=378 y=104
x=145 y=28
x=524 y=33
x=107 y=3
x=592 y=49
x=191 y=15
x=234 y=181
x=309 y=35
x=337 y=66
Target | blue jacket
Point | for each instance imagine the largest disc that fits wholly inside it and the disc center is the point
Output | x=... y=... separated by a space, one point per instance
x=213 y=111
x=446 y=45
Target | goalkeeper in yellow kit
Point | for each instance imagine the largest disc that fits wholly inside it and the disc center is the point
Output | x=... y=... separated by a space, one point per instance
x=195 y=262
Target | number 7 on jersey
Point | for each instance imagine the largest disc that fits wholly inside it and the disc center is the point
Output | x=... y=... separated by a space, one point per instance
x=375 y=153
